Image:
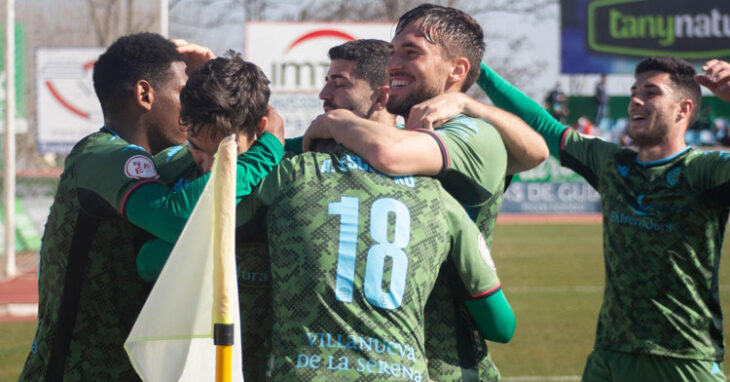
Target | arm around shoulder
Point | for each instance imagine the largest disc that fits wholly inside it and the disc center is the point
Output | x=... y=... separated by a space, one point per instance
x=390 y=150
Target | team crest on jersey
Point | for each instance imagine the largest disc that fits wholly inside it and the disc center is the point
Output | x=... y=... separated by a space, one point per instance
x=673 y=176
x=622 y=170
x=484 y=251
x=140 y=167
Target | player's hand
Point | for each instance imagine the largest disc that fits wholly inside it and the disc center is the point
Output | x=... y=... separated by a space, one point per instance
x=716 y=78
x=437 y=110
x=321 y=125
x=275 y=124
x=195 y=55
x=318 y=129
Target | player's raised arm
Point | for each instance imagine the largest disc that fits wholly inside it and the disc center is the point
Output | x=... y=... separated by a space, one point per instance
x=525 y=148
x=509 y=98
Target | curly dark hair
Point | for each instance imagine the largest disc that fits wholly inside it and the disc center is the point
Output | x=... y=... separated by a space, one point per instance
x=371 y=57
x=140 y=56
x=226 y=92
x=682 y=75
x=455 y=31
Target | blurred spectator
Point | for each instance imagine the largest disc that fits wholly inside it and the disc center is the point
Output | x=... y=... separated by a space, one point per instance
x=584 y=125
x=722 y=135
x=601 y=98
x=556 y=103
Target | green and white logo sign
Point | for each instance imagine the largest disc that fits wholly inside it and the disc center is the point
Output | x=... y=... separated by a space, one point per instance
x=695 y=30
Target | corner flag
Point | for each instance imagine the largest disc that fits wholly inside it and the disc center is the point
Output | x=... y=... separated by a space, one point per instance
x=172 y=339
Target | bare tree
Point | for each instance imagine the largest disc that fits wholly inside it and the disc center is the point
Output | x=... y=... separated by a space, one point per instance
x=114 y=18
x=390 y=10
x=514 y=70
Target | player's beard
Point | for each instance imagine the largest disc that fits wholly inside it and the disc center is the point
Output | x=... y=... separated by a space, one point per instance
x=403 y=105
x=648 y=136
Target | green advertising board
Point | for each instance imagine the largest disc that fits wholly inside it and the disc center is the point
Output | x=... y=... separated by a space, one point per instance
x=611 y=36
x=20 y=75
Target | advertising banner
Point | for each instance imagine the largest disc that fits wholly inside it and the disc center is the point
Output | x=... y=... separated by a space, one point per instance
x=550 y=188
x=67 y=108
x=294 y=58
x=611 y=36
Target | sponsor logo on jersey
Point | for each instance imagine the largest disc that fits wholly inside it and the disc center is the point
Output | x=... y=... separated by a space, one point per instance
x=643 y=207
x=484 y=251
x=673 y=176
x=140 y=167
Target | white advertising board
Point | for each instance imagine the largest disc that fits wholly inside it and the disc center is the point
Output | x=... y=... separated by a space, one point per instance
x=294 y=58
x=67 y=105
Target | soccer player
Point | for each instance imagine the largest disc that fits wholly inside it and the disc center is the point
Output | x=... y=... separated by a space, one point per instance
x=378 y=326
x=665 y=207
x=232 y=95
x=436 y=53
x=108 y=196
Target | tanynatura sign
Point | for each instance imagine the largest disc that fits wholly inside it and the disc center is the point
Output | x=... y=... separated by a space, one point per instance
x=660 y=28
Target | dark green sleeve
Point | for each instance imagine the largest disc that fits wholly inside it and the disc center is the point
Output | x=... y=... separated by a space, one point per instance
x=256 y=163
x=507 y=97
x=267 y=191
x=163 y=212
x=710 y=172
x=293 y=145
x=494 y=317
x=152 y=258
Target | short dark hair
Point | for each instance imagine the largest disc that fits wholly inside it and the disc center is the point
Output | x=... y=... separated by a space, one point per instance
x=371 y=57
x=682 y=76
x=227 y=92
x=455 y=31
x=140 y=56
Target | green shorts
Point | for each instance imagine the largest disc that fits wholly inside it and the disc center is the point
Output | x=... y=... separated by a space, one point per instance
x=614 y=366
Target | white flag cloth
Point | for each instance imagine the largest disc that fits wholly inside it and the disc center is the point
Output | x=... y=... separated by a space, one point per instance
x=172 y=339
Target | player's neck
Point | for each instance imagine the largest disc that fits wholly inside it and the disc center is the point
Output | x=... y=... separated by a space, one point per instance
x=383 y=117
x=660 y=151
x=130 y=132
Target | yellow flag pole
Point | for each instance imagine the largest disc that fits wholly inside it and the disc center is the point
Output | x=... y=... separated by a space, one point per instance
x=224 y=262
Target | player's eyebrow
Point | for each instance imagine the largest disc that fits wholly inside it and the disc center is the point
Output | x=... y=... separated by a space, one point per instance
x=409 y=44
x=336 y=76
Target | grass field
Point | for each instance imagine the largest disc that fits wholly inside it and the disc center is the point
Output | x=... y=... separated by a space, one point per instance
x=553 y=276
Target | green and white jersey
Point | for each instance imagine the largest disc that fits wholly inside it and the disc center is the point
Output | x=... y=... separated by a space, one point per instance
x=475 y=165
x=177 y=167
x=89 y=291
x=354 y=255
x=663 y=225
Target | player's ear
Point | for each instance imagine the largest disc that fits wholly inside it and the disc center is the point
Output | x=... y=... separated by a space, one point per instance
x=686 y=106
x=382 y=94
x=261 y=128
x=144 y=94
x=459 y=70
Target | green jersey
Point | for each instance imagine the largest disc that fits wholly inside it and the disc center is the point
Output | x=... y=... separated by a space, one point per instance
x=89 y=291
x=354 y=255
x=663 y=225
x=177 y=167
x=475 y=162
